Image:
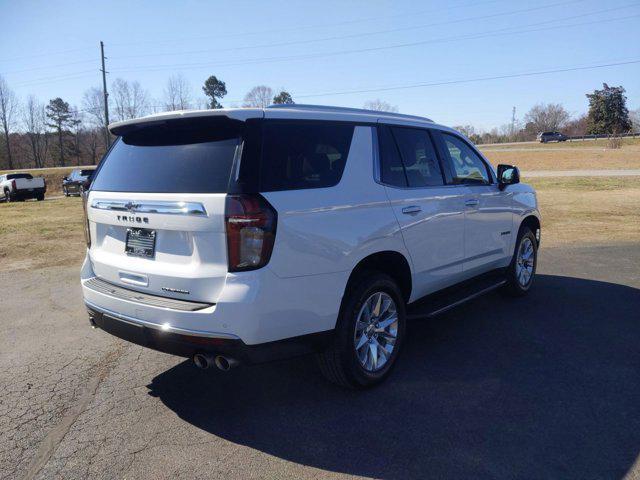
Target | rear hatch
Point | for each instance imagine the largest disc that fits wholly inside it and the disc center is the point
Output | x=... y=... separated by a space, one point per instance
x=156 y=208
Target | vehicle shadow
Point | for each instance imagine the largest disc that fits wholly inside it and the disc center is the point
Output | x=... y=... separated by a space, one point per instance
x=546 y=386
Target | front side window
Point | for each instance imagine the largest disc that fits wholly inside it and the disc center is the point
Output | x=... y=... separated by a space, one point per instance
x=466 y=165
x=302 y=155
x=419 y=157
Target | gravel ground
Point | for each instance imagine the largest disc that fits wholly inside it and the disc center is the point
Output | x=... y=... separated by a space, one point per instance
x=547 y=386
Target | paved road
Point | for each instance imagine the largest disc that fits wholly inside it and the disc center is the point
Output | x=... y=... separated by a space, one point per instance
x=582 y=173
x=546 y=386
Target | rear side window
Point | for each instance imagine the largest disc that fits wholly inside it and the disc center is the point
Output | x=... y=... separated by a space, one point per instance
x=419 y=157
x=172 y=157
x=301 y=155
x=391 y=169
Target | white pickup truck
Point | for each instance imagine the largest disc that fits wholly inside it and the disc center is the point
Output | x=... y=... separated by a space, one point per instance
x=22 y=186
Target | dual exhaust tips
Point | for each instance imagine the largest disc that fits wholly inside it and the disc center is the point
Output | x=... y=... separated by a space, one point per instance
x=206 y=360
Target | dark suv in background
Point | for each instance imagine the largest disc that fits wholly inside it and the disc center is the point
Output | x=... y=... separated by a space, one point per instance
x=77 y=182
x=544 y=137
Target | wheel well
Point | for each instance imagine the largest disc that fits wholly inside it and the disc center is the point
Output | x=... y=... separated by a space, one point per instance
x=391 y=263
x=533 y=223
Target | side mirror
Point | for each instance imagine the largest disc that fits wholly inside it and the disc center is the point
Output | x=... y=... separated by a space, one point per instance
x=508 y=175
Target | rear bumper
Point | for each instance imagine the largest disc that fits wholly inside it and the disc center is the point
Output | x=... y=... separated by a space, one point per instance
x=187 y=344
x=255 y=313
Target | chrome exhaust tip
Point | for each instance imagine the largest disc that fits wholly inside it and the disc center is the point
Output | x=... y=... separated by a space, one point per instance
x=203 y=360
x=225 y=364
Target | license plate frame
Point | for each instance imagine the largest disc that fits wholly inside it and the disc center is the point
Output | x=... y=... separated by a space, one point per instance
x=140 y=242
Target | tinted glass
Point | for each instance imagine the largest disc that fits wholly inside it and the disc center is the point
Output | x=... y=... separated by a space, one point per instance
x=391 y=169
x=298 y=155
x=419 y=157
x=170 y=160
x=466 y=166
x=86 y=173
x=14 y=176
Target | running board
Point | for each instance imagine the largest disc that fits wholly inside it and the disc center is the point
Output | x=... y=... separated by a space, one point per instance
x=445 y=300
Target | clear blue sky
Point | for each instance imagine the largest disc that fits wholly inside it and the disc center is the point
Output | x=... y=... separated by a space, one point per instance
x=51 y=49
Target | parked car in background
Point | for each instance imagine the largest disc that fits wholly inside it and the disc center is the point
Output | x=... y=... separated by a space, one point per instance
x=78 y=181
x=246 y=235
x=22 y=186
x=544 y=137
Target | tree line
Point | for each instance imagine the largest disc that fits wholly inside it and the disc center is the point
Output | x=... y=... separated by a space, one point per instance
x=607 y=115
x=52 y=134
x=37 y=135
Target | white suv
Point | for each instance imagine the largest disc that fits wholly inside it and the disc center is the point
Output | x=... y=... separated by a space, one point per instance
x=245 y=235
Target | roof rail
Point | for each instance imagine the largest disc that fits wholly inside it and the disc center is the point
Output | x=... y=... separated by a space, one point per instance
x=330 y=108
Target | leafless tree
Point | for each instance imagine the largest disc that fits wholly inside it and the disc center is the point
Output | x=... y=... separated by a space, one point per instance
x=93 y=105
x=92 y=142
x=35 y=124
x=634 y=116
x=546 y=118
x=177 y=93
x=8 y=111
x=258 y=97
x=380 y=106
x=129 y=98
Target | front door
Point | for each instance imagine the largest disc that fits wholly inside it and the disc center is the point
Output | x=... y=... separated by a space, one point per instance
x=430 y=213
x=488 y=213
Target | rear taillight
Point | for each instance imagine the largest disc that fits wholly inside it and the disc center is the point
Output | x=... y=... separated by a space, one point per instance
x=251 y=231
x=13 y=186
x=85 y=222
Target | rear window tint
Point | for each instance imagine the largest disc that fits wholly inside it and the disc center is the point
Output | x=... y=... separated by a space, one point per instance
x=173 y=158
x=301 y=155
x=15 y=176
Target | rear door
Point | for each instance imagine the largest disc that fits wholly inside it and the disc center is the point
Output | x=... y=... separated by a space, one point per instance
x=156 y=209
x=488 y=212
x=430 y=213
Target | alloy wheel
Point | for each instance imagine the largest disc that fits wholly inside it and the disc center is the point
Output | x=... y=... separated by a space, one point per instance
x=376 y=331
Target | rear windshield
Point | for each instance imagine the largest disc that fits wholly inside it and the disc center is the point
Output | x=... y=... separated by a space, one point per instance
x=171 y=157
x=15 y=176
x=86 y=173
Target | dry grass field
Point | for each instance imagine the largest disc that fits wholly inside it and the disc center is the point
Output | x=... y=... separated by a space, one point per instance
x=592 y=155
x=593 y=210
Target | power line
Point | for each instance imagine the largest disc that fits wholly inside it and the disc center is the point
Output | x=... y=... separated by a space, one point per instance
x=469 y=80
x=491 y=33
x=309 y=27
x=366 y=34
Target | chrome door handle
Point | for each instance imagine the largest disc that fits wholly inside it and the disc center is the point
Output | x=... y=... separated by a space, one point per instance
x=412 y=210
x=472 y=203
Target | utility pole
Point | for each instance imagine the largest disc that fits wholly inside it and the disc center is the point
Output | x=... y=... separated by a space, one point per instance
x=513 y=121
x=107 y=138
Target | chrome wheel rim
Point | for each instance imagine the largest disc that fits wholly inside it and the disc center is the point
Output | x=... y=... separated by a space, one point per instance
x=525 y=262
x=376 y=331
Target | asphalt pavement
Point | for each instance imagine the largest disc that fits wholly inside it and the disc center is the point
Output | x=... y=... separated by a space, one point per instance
x=546 y=386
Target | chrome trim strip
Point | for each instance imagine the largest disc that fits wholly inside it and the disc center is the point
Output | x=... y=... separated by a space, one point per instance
x=165 y=208
x=163 y=328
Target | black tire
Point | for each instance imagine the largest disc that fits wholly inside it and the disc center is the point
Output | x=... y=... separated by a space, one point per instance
x=340 y=363
x=515 y=286
x=7 y=196
x=65 y=192
x=40 y=197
